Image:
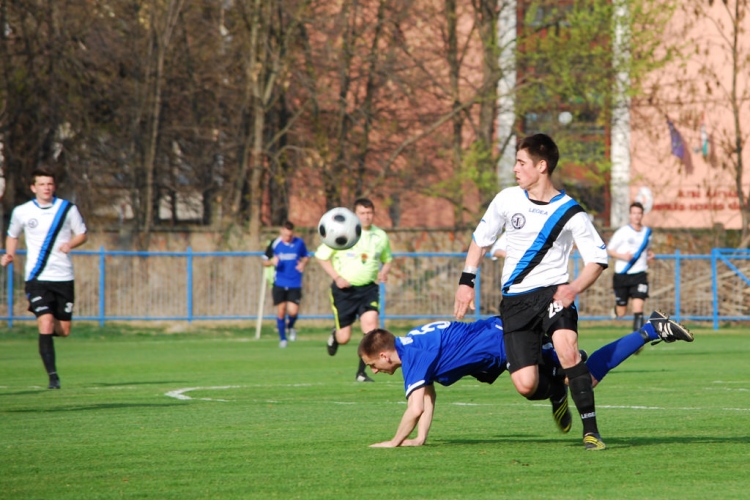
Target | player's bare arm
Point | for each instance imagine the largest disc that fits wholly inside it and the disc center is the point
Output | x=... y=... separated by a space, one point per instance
x=567 y=293
x=465 y=293
x=301 y=264
x=11 y=244
x=383 y=274
x=425 y=421
x=335 y=276
x=414 y=411
x=75 y=241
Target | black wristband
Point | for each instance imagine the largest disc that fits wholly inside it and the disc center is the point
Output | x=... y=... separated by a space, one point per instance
x=467 y=279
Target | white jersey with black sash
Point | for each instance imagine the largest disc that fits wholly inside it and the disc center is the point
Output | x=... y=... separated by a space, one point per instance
x=540 y=238
x=628 y=240
x=46 y=228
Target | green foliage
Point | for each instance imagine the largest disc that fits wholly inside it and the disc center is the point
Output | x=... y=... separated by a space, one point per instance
x=264 y=422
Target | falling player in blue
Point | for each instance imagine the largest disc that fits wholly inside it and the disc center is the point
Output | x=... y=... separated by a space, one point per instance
x=445 y=351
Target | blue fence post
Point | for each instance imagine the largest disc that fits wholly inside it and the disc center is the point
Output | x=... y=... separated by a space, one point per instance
x=190 y=284
x=677 y=286
x=382 y=305
x=10 y=294
x=715 y=287
x=102 y=285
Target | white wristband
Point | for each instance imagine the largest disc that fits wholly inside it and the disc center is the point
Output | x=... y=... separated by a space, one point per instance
x=471 y=269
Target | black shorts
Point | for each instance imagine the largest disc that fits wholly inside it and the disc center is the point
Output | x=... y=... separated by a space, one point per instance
x=51 y=297
x=349 y=303
x=282 y=294
x=527 y=319
x=630 y=286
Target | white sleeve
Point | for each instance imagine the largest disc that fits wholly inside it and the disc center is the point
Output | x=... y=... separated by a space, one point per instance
x=16 y=226
x=590 y=245
x=491 y=225
x=76 y=221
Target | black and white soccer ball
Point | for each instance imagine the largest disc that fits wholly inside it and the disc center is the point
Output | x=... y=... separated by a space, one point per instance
x=339 y=228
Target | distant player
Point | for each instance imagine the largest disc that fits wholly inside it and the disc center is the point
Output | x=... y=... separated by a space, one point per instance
x=52 y=227
x=630 y=246
x=288 y=254
x=355 y=291
x=443 y=352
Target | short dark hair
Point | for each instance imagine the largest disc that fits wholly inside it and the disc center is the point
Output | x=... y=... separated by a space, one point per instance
x=376 y=341
x=541 y=147
x=364 y=202
x=288 y=225
x=636 y=204
x=40 y=172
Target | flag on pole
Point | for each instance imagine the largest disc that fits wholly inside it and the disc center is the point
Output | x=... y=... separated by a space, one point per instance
x=679 y=149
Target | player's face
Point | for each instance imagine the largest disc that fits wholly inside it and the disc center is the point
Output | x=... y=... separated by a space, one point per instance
x=286 y=235
x=365 y=216
x=527 y=172
x=380 y=363
x=636 y=216
x=44 y=189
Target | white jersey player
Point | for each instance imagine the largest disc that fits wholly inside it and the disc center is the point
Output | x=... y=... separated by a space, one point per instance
x=630 y=246
x=52 y=228
x=542 y=225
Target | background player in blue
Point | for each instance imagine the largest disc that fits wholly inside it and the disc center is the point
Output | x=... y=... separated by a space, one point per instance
x=288 y=254
x=542 y=225
x=52 y=227
x=444 y=352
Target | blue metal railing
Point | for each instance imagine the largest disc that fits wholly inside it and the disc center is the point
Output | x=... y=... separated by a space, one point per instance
x=720 y=276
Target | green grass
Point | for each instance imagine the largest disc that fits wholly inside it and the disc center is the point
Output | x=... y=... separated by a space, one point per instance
x=264 y=422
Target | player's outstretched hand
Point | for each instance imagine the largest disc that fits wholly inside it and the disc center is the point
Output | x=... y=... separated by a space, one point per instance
x=565 y=295
x=464 y=301
x=6 y=259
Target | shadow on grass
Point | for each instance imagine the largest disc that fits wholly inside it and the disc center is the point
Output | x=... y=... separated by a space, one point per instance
x=104 y=406
x=612 y=442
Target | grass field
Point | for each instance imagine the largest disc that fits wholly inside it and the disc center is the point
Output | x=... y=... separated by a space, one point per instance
x=211 y=413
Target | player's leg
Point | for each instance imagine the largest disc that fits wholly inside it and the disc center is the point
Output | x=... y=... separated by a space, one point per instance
x=368 y=321
x=62 y=328
x=638 y=295
x=279 y=300
x=621 y=295
x=46 y=326
x=294 y=297
x=581 y=388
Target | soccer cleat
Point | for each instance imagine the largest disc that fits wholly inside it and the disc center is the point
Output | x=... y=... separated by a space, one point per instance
x=282 y=344
x=593 y=442
x=292 y=335
x=332 y=344
x=668 y=330
x=561 y=413
x=54 y=382
x=362 y=377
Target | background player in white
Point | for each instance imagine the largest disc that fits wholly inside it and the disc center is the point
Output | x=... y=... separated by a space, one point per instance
x=630 y=246
x=444 y=352
x=542 y=224
x=52 y=228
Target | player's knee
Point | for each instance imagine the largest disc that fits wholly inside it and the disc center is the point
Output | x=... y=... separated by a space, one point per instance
x=525 y=387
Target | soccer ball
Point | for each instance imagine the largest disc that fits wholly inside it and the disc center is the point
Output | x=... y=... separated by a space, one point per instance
x=339 y=228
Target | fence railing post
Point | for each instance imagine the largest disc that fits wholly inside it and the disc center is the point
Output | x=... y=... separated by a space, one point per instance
x=381 y=314
x=190 y=284
x=10 y=294
x=677 y=286
x=715 y=286
x=102 y=286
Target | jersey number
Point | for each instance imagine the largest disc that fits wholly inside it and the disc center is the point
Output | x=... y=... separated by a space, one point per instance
x=68 y=307
x=429 y=327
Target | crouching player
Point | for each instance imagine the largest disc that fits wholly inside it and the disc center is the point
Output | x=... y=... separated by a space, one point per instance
x=444 y=352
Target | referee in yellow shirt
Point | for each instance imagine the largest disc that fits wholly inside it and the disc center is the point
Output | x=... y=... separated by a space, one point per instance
x=356 y=273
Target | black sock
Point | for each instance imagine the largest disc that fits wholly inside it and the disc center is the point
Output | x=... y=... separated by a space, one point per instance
x=544 y=387
x=47 y=352
x=362 y=366
x=637 y=321
x=579 y=379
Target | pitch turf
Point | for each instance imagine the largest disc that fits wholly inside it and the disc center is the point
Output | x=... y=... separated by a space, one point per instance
x=212 y=413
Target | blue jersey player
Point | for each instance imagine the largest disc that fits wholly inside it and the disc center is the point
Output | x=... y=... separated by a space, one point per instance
x=288 y=254
x=444 y=352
